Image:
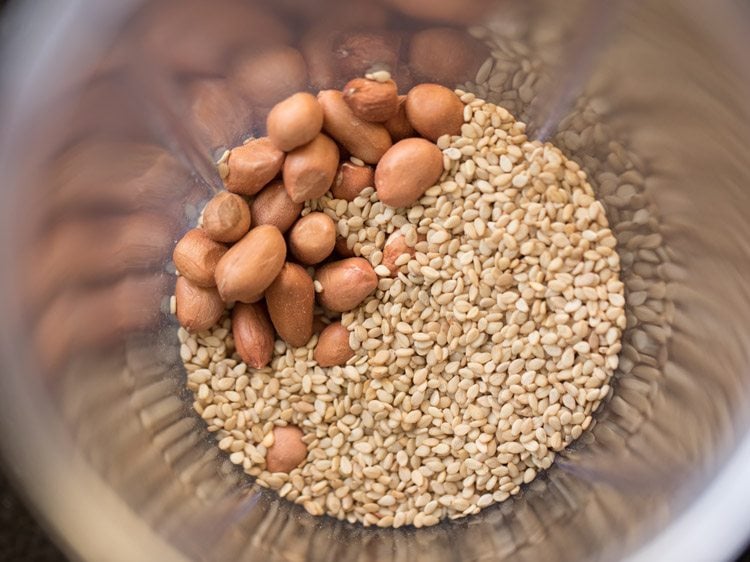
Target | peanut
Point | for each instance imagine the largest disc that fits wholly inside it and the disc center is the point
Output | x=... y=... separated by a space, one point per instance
x=253 y=165
x=198 y=308
x=295 y=121
x=268 y=76
x=312 y=238
x=406 y=171
x=274 y=206
x=195 y=256
x=251 y=265
x=253 y=334
x=367 y=141
x=346 y=283
x=445 y=55
x=351 y=180
x=310 y=169
x=434 y=110
x=333 y=346
x=287 y=451
x=398 y=126
x=291 y=299
x=226 y=217
x=371 y=100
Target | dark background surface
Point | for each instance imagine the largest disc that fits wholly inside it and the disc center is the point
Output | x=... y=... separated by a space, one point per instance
x=21 y=538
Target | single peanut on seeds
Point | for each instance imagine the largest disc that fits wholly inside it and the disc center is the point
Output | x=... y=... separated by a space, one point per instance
x=333 y=346
x=253 y=165
x=274 y=206
x=364 y=140
x=351 y=180
x=291 y=299
x=197 y=308
x=251 y=265
x=310 y=169
x=226 y=217
x=398 y=126
x=287 y=451
x=312 y=238
x=295 y=121
x=195 y=256
x=407 y=170
x=371 y=100
x=434 y=111
x=253 y=334
x=346 y=283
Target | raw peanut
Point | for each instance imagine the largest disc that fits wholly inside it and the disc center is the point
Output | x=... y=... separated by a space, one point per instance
x=398 y=126
x=198 y=308
x=445 y=55
x=268 y=76
x=434 y=111
x=371 y=100
x=333 y=346
x=226 y=217
x=406 y=171
x=342 y=249
x=346 y=283
x=394 y=248
x=251 y=265
x=351 y=180
x=448 y=11
x=253 y=165
x=295 y=121
x=195 y=256
x=290 y=299
x=218 y=114
x=288 y=449
x=310 y=169
x=357 y=53
x=312 y=238
x=274 y=206
x=253 y=334
x=367 y=141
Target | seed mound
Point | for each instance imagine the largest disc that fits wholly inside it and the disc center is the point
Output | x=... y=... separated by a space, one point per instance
x=480 y=358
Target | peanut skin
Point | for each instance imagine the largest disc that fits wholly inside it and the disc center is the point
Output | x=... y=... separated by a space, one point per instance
x=407 y=170
x=274 y=206
x=226 y=217
x=253 y=165
x=434 y=111
x=310 y=170
x=198 y=308
x=290 y=299
x=346 y=283
x=196 y=256
x=295 y=121
x=312 y=238
x=251 y=265
x=371 y=100
x=333 y=346
x=253 y=334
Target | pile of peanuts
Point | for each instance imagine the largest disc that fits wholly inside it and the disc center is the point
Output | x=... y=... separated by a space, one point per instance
x=254 y=254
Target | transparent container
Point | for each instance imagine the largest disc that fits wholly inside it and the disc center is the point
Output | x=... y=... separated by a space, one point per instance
x=113 y=114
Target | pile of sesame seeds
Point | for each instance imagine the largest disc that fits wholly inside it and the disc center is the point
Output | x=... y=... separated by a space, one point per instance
x=481 y=359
